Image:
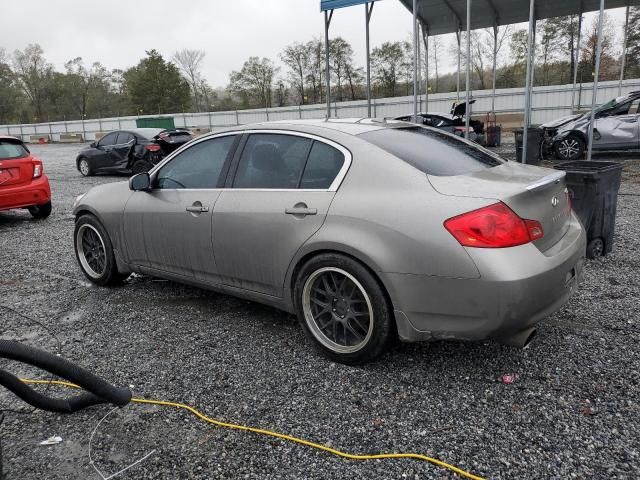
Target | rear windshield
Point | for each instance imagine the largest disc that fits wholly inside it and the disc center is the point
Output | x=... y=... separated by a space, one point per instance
x=432 y=151
x=10 y=150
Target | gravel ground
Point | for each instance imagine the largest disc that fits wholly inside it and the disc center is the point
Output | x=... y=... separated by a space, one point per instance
x=573 y=411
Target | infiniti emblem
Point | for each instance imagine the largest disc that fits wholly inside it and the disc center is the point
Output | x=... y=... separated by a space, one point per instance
x=555 y=201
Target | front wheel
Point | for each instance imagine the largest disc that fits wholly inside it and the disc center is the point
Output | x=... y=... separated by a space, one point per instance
x=40 y=211
x=570 y=148
x=85 y=167
x=95 y=252
x=343 y=309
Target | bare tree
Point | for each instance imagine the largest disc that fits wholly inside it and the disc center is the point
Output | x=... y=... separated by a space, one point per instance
x=188 y=61
x=33 y=73
x=297 y=59
x=255 y=81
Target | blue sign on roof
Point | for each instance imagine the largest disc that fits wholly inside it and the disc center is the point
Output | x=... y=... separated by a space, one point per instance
x=333 y=4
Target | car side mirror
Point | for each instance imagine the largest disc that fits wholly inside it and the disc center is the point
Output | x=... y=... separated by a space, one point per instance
x=93 y=144
x=140 y=182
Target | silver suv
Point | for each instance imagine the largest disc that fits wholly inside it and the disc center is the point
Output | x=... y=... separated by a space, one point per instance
x=617 y=127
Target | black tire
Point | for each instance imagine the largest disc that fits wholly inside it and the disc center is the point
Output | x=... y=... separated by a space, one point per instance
x=595 y=248
x=84 y=166
x=40 y=211
x=99 y=271
x=570 y=148
x=141 y=166
x=371 y=320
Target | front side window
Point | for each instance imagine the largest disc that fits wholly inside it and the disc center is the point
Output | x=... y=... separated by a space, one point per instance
x=271 y=160
x=109 y=139
x=199 y=166
x=433 y=152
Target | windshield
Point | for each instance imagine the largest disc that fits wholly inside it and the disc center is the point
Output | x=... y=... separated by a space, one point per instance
x=11 y=150
x=433 y=152
x=610 y=104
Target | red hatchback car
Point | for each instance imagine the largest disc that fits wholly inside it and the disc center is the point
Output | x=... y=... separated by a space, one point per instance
x=23 y=183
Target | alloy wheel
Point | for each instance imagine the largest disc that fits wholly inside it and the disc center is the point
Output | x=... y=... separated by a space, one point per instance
x=337 y=310
x=84 y=167
x=569 y=147
x=91 y=251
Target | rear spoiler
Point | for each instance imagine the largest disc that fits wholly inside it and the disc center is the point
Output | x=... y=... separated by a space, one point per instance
x=547 y=181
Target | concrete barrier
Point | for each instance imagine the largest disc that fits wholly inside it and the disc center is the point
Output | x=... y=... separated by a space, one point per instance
x=39 y=138
x=71 y=138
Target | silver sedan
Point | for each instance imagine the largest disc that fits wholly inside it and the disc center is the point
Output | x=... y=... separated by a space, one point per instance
x=366 y=230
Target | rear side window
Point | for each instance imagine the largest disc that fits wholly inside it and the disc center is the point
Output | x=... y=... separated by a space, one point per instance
x=323 y=166
x=123 y=138
x=272 y=161
x=10 y=150
x=433 y=152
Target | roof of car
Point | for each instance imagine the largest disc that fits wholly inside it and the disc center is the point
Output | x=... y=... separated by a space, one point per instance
x=10 y=137
x=352 y=126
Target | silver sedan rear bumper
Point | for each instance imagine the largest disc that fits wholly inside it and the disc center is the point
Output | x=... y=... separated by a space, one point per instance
x=519 y=286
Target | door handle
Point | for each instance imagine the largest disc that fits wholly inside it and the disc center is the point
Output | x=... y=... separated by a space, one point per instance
x=301 y=209
x=197 y=209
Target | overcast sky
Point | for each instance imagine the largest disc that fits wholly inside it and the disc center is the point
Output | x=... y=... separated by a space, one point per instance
x=117 y=32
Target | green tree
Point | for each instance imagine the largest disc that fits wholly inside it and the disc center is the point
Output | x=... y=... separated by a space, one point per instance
x=386 y=65
x=632 y=69
x=254 y=82
x=10 y=93
x=156 y=86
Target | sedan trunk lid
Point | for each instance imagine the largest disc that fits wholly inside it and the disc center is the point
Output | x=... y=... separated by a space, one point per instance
x=531 y=192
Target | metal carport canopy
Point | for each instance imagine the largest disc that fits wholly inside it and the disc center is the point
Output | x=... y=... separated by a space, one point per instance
x=447 y=16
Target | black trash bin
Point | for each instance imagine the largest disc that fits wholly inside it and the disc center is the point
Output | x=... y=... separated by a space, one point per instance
x=593 y=188
x=534 y=142
x=494 y=136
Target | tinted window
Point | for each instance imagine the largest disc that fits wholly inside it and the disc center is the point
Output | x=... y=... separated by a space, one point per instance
x=323 y=166
x=635 y=107
x=272 y=161
x=197 y=167
x=124 y=137
x=109 y=139
x=433 y=152
x=9 y=150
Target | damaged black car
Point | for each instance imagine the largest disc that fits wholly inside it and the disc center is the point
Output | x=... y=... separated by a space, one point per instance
x=130 y=151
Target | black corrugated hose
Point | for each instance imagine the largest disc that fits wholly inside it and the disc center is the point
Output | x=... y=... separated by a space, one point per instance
x=97 y=390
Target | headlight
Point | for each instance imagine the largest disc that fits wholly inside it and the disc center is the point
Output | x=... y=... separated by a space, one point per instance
x=561 y=135
x=77 y=201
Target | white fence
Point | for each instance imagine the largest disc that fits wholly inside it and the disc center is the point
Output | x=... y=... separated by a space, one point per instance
x=548 y=103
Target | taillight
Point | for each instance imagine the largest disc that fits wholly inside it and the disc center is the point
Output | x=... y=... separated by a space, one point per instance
x=37 y=170
x=153 y=147
x=495 y=226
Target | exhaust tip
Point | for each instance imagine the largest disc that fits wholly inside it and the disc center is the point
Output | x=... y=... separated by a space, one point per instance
x=521 y=339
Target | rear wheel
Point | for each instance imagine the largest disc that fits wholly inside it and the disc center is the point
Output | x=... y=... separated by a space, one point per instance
x=40 y=211
x=570 y=148
x=141 y=166
x=343 y=309
x=94 y=252
x=85 y=167
x=595 y=248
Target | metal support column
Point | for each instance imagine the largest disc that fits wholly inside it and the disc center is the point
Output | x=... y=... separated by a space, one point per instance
x=495 y=60
x=415 y=60
x=527 y=94
x=576 y=62
x=327 y=22
x=594 y=94
x=458 y=73
x=624 y=50
x=419 y=66
x=368 y=8
x=425 y=40
x=468 y=68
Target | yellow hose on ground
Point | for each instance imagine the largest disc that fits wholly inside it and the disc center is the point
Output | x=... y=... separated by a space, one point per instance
x=282 y=436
